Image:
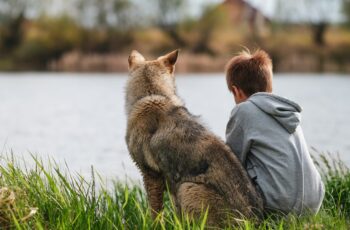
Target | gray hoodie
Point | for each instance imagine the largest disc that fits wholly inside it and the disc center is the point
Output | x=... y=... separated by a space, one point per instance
x=265 y=134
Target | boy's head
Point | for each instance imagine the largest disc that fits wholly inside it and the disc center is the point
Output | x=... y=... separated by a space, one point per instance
x=248 y=73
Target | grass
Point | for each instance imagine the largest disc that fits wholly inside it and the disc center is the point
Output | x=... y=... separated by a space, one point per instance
x=44 y=197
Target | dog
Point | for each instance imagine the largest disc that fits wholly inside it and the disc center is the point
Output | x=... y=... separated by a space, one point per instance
x=174 y=150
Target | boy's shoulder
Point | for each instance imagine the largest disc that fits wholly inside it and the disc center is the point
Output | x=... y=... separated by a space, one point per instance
x=267 y=109
x=244 y=110
x=268 y=103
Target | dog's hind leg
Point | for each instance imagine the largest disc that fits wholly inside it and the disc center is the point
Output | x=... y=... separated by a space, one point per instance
x=154 y=185
x=194 y=199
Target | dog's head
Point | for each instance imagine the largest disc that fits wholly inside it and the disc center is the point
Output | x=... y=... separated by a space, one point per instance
x=166 y=62
x=147 y=78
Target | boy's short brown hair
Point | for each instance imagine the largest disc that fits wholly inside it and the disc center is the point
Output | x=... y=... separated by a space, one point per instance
x=250 y=72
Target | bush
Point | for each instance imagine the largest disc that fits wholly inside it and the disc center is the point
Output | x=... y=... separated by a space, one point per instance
x=46 y=39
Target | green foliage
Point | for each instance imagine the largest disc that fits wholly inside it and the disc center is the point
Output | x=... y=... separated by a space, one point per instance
x=169 y=12
x=45 y=197
x=32 y=43
x=62 y=201
x=213 y=18
x=346 y=11
x=11 y=9
x=337 y=178
x=48 y=38
x=108 y=13
x=31 y=37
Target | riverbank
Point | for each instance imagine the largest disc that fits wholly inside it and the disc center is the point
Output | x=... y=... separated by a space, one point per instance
x=59 y=44
x=47 y=197
x=306 y=60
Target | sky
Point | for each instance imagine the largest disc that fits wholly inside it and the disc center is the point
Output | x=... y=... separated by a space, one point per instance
x=329 y=9
x=195 y=6
x=267 y=6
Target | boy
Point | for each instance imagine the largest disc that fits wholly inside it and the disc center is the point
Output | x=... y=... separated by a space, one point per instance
x=264 y=132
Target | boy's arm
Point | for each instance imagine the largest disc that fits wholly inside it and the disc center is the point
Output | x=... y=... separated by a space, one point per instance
x=235 y=136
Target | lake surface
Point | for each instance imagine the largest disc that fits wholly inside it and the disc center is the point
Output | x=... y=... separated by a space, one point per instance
x=79 y=118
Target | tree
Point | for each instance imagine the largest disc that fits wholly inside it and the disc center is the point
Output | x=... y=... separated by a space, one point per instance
x=121 y=10
x=105 y=23
x=169 y=14
x=212 y=18
x=346 y=11
x=11 y=20
x=104 y=13
x=318 y=14
x=11 y=9
x=321 y=13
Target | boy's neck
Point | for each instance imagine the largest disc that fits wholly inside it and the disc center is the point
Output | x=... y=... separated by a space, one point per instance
x=239 y=95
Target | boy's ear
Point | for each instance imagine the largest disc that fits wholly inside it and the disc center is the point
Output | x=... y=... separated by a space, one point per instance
x=135 y=58
x=234 y=90
x=170 y=59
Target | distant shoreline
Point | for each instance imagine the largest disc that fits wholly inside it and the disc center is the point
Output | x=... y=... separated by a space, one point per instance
x=193 y=63
x=44 y=73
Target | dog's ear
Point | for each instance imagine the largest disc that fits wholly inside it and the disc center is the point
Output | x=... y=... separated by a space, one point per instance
x=170 y=59
x=135 y=58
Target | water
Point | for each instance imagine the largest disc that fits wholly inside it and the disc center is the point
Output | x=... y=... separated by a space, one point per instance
x=79 y=119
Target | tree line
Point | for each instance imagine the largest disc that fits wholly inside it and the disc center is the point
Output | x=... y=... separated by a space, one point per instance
x=32 y=32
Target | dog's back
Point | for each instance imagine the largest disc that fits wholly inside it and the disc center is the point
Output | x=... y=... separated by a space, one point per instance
x=170 y=146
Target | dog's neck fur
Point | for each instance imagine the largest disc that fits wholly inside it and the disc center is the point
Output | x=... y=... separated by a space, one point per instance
x=146 y=84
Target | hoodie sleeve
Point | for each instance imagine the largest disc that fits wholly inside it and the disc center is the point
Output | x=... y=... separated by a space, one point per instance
x=235 y=136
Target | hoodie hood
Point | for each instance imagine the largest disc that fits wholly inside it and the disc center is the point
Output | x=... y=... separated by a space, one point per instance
x=284 y=111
